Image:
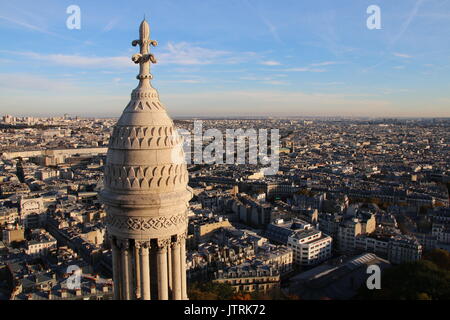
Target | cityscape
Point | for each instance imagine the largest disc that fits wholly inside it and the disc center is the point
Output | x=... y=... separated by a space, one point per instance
x=224 y=204
x=348 y=192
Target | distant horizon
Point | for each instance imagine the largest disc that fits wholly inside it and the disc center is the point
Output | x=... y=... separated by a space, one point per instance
x=244 y=117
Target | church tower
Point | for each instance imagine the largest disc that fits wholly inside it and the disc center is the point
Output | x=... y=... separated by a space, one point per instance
x=146 y=193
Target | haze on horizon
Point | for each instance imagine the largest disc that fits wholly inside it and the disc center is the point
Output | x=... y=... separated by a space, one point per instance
x=229 y=58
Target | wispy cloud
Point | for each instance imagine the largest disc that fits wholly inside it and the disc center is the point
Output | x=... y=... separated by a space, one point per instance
x=192 y=81
x=17 y=82
x=402 y=55
x=183 y=53
x=332 y=83
x=31 y=27
x=272 y=29
x=304 y=69
x=270 y=26
x=325 y=63
x=313 y=67
x=271 y=63
x=78 y=60
x=413 y=13
x=266 y=80
x=276 y=82
x=110 y=25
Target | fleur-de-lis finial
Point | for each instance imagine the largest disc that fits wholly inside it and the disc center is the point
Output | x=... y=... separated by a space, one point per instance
x=144 y=57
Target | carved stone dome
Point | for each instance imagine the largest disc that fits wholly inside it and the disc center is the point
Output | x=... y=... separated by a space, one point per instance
x=145 y=179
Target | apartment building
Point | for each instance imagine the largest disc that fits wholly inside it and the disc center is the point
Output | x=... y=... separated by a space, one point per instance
x=310 y=246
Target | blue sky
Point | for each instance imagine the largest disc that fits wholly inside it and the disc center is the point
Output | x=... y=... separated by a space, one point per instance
x=229 y=57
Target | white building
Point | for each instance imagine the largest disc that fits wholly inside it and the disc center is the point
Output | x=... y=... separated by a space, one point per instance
x=32 y=212
x=404 y=249
x=442 y=232
x=310 y=246
x=40 y=244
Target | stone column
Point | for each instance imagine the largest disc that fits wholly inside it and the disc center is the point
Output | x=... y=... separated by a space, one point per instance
x=145 y=270
x=169 y=269
x=125 y=257
x=163 y=293
x=183 y=267
x=176 y=269
x=116 y=268
x=137 y=270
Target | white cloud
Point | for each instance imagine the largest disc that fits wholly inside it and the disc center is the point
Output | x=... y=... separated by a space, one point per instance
x=313 y=67
x=402 y=55
x=191 y=81
x=333 y=83
x=183 y=53
x=305 y=69
x=276 y=82
x=19 y=82
x=32 y=27
x=78 y=60
x=110 y=25
x=271 y=63
x=326 y=63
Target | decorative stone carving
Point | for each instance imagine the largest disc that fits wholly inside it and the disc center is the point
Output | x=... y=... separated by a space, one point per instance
x=144 y=224
x=163 y=244
x=145 y=177
x=142 y=244
x=123 y=244
x=178 y=239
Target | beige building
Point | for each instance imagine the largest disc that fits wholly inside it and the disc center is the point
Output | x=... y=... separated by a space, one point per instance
x=404 y=249
x=40 y=243
x=13 y=235
x=8 y=215
x=203 y=229
x=248 y=278
x=280 y=257
x=351 y=228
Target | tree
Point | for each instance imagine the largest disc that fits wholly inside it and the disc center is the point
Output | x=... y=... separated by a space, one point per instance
x=242 y=296
x=423 y=296
x=439 y=257
x=210 y=291
x=411 y=281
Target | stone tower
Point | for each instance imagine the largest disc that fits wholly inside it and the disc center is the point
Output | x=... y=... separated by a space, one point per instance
x=146 y=194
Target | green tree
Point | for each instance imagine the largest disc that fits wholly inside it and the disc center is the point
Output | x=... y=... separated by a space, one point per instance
x=210 y=291
x=423 y=296
x=411 y=281
x=439 y=257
